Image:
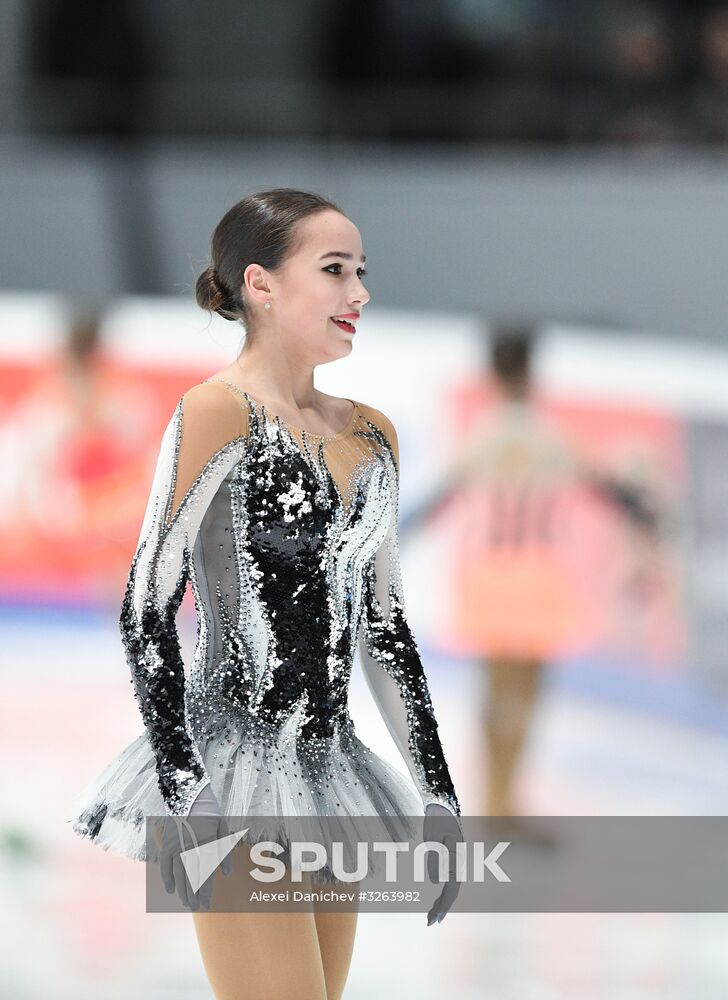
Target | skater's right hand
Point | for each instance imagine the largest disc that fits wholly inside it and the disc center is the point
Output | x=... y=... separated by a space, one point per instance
x=181 y=835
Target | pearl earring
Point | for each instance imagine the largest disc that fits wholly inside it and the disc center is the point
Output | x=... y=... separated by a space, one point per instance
x=267 y=305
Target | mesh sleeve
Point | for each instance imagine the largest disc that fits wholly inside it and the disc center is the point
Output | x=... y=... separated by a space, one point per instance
x=205 y=437
x=393 y=668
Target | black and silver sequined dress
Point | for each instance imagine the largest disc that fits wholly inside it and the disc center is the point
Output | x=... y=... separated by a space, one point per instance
x=289 y=541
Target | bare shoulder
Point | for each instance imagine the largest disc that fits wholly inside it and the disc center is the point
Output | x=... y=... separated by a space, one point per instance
x=338 y=407
x=379 y=418
x=215 y=405
x=385 y=425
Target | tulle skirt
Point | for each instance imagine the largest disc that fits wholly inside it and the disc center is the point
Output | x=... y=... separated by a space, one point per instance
x=342 y=778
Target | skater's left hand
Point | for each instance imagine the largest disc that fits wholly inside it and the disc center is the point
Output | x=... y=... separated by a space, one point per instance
x=442 y=826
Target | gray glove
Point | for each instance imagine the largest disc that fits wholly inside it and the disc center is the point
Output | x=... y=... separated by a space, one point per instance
x=181 y=835
x=442 y=826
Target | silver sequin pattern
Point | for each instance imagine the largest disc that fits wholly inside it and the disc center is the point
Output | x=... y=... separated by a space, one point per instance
x=292 y=576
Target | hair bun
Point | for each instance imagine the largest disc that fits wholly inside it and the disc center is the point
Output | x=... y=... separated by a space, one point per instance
x=211 y=294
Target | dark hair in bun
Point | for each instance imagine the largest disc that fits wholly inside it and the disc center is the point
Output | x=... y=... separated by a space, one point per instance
x=212 y=296
x=260 y=229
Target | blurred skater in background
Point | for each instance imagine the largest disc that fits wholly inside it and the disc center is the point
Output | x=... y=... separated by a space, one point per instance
x=74 y=447
x=515 y=601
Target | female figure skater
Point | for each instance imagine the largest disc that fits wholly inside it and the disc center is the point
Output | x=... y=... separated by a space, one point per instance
x=515 y=602
x=278 y=503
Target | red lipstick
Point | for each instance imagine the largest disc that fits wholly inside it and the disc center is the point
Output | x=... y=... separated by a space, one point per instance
x=343 y=322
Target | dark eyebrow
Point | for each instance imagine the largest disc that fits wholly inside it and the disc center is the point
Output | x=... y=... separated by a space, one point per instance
x=340 y=253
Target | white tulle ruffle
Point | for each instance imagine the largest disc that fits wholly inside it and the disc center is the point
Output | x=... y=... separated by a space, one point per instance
x=252 y=779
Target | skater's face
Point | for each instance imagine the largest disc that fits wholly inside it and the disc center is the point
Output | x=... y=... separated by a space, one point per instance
x=320 y=281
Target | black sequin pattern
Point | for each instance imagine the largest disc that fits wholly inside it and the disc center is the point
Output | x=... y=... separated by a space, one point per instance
x=288 y=567
x=287 y=540
x=390 y=641
x=152 y=647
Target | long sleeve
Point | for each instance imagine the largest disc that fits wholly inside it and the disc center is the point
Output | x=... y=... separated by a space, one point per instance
x=392 y=665
x=205 y=437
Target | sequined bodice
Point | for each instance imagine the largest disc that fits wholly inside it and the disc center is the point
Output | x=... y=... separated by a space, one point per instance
x=278 y=570
x=289 y=542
